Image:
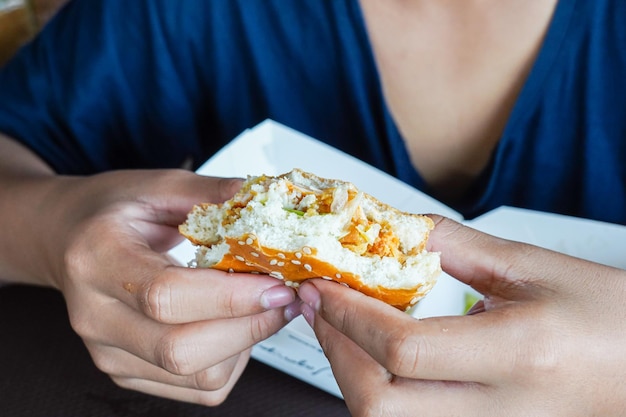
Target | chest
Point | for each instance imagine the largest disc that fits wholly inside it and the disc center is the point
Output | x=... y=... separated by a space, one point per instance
x=451 y=75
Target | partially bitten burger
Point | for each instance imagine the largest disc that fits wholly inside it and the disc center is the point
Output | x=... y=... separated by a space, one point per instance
x=298 y=226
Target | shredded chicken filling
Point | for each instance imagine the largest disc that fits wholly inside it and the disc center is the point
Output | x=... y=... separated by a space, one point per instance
x=369 y=238
x=364 y=236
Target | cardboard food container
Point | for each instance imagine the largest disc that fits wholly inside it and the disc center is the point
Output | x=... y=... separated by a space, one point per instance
x=268 y=149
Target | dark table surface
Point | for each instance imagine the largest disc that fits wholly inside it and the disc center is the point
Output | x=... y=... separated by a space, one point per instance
x=45 y=370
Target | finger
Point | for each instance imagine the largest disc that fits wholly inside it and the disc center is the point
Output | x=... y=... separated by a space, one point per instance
x=181 y=295
x=438 y=348
x=173 y=196
x=171 y=199
x=499 y=267
x=148 y=282
x=181 y=349
x=161 y=200
x=218 y=189
x=120 y=265
x=350 y=364
x=121 y=365
x=367 y=386
x=176 y=190
x=118 y=259
x=196 y=396
x=173 y=294
x=165 y=195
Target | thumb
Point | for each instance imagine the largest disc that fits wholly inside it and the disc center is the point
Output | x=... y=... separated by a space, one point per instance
x=491 y=265
x=226 y=189
x=174 y=193
x=199 y=189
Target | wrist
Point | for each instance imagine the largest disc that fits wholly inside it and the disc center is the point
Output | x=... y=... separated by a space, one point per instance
x=31 y=229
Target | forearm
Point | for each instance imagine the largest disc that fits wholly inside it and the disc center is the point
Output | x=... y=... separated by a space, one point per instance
x=25 y=184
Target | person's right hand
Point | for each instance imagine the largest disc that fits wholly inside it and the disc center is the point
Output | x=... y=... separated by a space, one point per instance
x=151 y=325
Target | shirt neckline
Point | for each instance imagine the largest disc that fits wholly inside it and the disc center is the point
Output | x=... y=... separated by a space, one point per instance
x=528 y=96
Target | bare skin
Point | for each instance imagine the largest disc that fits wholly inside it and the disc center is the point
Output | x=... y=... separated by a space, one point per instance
x=546 y=341
x=151 y=325
x=451 y=72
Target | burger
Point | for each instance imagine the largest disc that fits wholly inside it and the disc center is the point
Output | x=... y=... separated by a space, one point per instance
x=299 y=226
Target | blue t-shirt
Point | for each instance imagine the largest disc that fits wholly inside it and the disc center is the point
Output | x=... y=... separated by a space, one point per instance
x=151 y=83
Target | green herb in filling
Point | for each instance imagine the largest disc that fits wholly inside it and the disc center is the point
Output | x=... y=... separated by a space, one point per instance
x=294 y=211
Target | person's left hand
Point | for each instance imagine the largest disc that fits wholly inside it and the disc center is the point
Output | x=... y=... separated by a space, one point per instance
x=548 y=339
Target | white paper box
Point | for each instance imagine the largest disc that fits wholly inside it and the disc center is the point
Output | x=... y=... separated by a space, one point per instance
x=273 y=149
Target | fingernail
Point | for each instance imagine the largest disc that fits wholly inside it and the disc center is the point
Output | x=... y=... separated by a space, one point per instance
x=293 y=310
x=310 y=295
x=308 y=313
x=277 y=296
